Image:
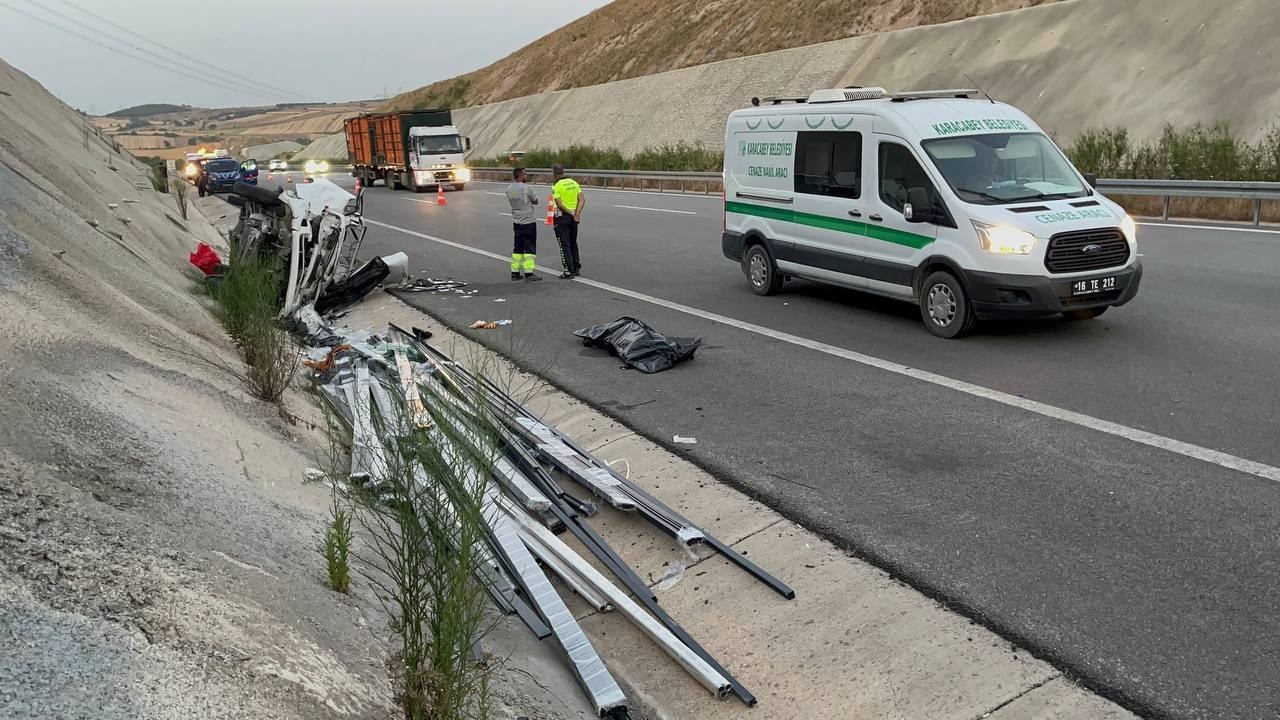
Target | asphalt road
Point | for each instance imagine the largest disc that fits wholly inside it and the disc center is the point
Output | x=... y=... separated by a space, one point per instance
x=1104 y=493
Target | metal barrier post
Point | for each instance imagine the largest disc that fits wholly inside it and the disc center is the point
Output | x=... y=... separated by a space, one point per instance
x=1257 y=211
x=1165 y=213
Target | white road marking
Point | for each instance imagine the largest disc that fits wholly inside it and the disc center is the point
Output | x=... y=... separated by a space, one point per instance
x=1142 y=437
x=1227 y=228
x=487 y=192
x=424 y=202
x=504 y=213
x=634 y=207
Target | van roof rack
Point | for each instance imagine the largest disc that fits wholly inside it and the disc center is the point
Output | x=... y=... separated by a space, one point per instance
x=932 y=94
x=772 y=100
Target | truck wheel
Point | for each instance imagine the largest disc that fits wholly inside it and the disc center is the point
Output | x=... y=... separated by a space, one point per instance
x=1086 y=314
x=944 y=307
x=762 y=274
x=459 y=186
x=393 y=180
x=413 y=182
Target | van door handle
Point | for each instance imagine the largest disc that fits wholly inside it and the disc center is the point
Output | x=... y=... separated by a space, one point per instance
x=876 y=217
x=855 y=213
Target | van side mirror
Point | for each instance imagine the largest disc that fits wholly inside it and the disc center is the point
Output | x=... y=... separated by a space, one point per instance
x=1092 y=179
x=919 y=209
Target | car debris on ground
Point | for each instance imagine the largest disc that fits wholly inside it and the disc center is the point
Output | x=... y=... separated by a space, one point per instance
x=383 y=387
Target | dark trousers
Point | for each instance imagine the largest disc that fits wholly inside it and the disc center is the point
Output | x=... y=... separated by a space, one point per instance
x=524 y=249
x=567 y=235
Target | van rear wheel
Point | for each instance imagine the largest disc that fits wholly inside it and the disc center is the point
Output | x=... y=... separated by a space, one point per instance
x=762 y=273
x=945 y=307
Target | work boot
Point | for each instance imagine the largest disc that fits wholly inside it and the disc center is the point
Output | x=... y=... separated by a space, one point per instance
x=515 y=276
x=566 y=275
x=532 y=278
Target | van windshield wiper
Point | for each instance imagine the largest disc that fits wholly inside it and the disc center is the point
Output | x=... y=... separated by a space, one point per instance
x=1043 y=196
x=983 y=195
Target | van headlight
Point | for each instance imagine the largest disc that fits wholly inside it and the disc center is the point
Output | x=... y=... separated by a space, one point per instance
x=463 y=174
x=1003 y=239
x=1130 y=228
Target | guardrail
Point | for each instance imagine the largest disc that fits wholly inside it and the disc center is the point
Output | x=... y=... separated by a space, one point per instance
x=1168 y=189
x=653 y=181
x=709 y=182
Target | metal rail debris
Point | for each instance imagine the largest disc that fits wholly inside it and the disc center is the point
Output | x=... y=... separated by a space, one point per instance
x=394 y=385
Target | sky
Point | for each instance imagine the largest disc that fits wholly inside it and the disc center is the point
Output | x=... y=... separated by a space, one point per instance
x=306 y=50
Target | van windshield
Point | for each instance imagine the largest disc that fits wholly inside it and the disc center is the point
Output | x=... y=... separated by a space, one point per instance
x=439 y=144
x=226 y=165
x=1003 y=168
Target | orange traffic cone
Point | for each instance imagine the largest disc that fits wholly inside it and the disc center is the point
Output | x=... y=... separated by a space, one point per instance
x=551 y=211
x=440 y=196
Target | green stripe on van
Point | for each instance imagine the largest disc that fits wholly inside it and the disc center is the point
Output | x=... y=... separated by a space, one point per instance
x=853 y=227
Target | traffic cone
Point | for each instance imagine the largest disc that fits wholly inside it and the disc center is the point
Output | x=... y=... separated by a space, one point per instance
x=551 y=211
x=440 y=196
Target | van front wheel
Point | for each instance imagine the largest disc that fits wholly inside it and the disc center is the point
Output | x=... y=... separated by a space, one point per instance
x=944 y=307
x=762 y=274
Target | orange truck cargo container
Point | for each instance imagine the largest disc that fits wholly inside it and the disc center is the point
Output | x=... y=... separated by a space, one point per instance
x=416 y=149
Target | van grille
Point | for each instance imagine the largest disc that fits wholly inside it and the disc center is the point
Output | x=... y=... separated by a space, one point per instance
x=1066 y=253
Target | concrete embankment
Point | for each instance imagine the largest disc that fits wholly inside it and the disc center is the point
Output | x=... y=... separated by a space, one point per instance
x=1071 y=65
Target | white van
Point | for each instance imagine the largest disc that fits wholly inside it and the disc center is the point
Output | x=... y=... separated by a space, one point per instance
x=961 y=205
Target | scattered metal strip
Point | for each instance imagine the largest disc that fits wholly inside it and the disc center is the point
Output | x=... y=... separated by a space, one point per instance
x=587 y=665
x=702 y=671
x=566 y=572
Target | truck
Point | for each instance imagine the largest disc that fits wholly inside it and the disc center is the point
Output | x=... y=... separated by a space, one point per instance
x=413 y=149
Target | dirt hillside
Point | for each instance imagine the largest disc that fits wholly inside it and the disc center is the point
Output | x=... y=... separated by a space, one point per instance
x=642 y=37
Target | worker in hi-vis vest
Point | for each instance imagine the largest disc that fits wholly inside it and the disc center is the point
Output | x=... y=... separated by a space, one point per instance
x=524 y=208
x=569 y=201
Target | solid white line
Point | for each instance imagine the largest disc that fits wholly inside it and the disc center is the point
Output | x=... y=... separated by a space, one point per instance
x=634 y=207
x=1215 y=457
x=1209 y=227
x=486 y=192
x=424 y=202
x=504 y=213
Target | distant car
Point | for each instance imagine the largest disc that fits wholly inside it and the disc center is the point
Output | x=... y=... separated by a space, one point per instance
x=222 y=174
x=316 y=167
x=274 y=165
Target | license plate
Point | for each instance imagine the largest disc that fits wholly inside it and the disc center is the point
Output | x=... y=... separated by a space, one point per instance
x=1093 y=286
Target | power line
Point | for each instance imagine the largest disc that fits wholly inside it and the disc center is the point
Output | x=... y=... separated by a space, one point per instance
x=179 y=53
x=176 y=71
x=168 y=61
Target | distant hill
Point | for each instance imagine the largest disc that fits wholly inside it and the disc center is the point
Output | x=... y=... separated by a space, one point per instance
x=632 y=38
x=148 y=110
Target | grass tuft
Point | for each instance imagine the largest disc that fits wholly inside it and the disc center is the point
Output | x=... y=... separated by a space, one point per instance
x=337 y=547
x=180 y=187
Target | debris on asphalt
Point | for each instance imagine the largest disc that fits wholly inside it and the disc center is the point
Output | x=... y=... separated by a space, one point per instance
x=638 y=345
x=390 y=386
x=681 y=440
x=488 y=324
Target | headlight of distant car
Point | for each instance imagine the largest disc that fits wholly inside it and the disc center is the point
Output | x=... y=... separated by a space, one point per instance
x=317 y=166
x=463 y=174
x=1004 y=239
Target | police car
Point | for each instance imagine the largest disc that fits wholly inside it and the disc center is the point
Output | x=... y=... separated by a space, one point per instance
x=942 y=198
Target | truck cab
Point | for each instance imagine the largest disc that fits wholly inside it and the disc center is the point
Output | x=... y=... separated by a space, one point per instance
x=438 y=156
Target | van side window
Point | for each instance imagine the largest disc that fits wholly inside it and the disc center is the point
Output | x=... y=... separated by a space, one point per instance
x=900 y=172
x=829 y=163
